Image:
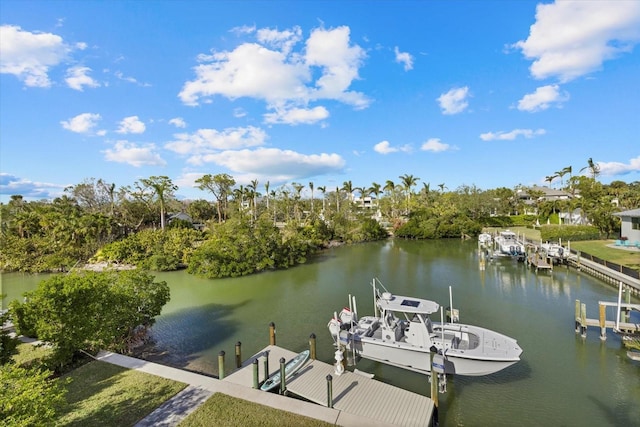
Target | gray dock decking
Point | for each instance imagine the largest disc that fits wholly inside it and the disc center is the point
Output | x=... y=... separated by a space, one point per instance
x=373 y=400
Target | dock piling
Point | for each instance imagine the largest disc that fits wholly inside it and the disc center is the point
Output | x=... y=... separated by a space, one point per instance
x=312 y=346
x=583 y=319
x=221 y=365
x=255 y=374
x=603 y=321
x=283 y=379
x=266 y=365
x=329 y=391
x=238 y=355
x=577 y=316
x=272 y=333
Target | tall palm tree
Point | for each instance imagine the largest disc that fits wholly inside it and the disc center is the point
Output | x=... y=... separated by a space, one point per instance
x=266 y=192
x=252 y=191
x=163 y=187
x=408 y=181
x=347 y=186
x=549 y=179
x=323 y=190
x=298 y=187
x=377 y=190
x=442 y=187
x=311 y=187
x=594 y=168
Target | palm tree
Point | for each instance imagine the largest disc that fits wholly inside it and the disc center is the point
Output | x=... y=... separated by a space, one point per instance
x=442 y=187
x=266 y=192
x=162 y=187
x=347 y=186
x=549 y=179
x=408 y=181
x=375 y=189
x=323 y=190
x=311 y=187
x=252 y=191
x=594 y=168
x=298 y=187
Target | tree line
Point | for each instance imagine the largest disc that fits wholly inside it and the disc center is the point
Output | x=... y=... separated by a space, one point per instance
x=95 y=220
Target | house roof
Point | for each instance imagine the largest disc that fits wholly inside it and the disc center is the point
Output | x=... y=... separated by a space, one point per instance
x=546 y=191
x=633 y=213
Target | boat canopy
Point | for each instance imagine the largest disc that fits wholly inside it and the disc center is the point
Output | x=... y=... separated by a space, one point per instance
x=407 y=304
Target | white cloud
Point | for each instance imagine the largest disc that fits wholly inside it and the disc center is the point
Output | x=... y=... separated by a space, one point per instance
x=134 y=154
x=131 y=124
x=178 y=122
x=206 y=141
x=510 y=136
x=572 y=38
x=281 y=40
x=404 y=58
x=281 y=77
x=29 y=56
x=129 y=79
x=384 y=147
x=543 y=98
x=436 y=146
x=82 y=123
x=618 y=168
x=282 y=165
x=12 y=185
x=296 y=116
x=78 y=77
x=454 y=101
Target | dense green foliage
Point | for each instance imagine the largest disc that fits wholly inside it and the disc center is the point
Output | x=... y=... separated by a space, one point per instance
x=29 y=397
x=90 y=311
x=132 y=225
x=8 y=344
x=555 y=233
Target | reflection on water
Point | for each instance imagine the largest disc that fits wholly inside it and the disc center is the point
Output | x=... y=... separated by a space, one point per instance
x=562 y=378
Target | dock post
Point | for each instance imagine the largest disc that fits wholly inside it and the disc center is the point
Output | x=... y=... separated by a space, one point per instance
x=627 y=299
x=221 y=365
x=266 y=365
x=255 y=373
x=272 y=333
x=329 y=391
x=433 y=377
x=238 y=354
x=603 y=322
x=583 y=319
x=283 y=379
x=312 y=346
x=577 y=316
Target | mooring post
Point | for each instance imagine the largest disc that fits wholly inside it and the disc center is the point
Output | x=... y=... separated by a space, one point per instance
x=255 y=374
x=583 y=319
x=272 y=333
x=312 y=346
x=433 y=377
x=577 y=316
x=627 y=299
x=238 y=354
x=603 y=322
x=221 y=365
x=283 y=379
x=266 y=365
x=329 y=391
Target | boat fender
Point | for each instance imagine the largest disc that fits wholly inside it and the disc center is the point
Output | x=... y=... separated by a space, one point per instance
x=339 y=367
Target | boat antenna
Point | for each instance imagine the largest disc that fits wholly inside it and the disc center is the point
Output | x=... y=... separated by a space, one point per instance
x=442 y=327
x=451 y=305
x=375 y=305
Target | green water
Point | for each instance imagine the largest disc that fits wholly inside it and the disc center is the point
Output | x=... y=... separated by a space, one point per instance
x=562 y=379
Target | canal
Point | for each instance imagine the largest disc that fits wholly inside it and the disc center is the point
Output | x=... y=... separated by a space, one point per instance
x=562 y=378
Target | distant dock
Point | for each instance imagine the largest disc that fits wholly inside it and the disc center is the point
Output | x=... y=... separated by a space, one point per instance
x=371 y=401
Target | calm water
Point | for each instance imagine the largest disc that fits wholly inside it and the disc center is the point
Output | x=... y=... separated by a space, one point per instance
x=562 y=379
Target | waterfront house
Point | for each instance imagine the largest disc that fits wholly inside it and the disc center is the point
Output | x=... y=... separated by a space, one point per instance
x=630 y=227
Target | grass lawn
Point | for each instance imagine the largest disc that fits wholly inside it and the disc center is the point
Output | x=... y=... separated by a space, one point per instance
x=102 y=394
x=224 y=410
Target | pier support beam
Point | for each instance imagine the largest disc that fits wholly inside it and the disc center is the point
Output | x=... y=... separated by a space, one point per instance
x=238 y=355
x=272 y=333
x=312 y=346
x=603 y=322
x=329 y=391
x=583 y=319
x=221 y=365
x=256 y=375
x=283 y=378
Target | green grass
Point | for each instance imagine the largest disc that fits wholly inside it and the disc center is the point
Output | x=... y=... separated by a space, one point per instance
x=602 y=250
x=29 y=354
x=102 y=394
x=224 y=410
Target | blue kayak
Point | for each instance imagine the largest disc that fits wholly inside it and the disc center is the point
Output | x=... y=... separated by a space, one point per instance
x=290 y=368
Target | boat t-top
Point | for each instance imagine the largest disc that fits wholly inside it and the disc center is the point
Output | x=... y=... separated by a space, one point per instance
x=508 y=245
x=401 y=333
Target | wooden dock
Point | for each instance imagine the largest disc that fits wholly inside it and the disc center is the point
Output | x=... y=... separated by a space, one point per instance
x=375 y=402
x=537 y=261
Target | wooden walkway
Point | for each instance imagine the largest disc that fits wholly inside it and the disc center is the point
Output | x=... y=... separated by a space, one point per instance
x=539 y=262
x=376 y=402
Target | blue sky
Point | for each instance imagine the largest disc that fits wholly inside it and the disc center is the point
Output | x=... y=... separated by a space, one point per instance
x=485 y=93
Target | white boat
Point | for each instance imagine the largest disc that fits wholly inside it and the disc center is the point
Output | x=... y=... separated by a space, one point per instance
x=402 y=334
x=290 y=368
x=554 y=251
x=485 y=239
x=508 y=245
